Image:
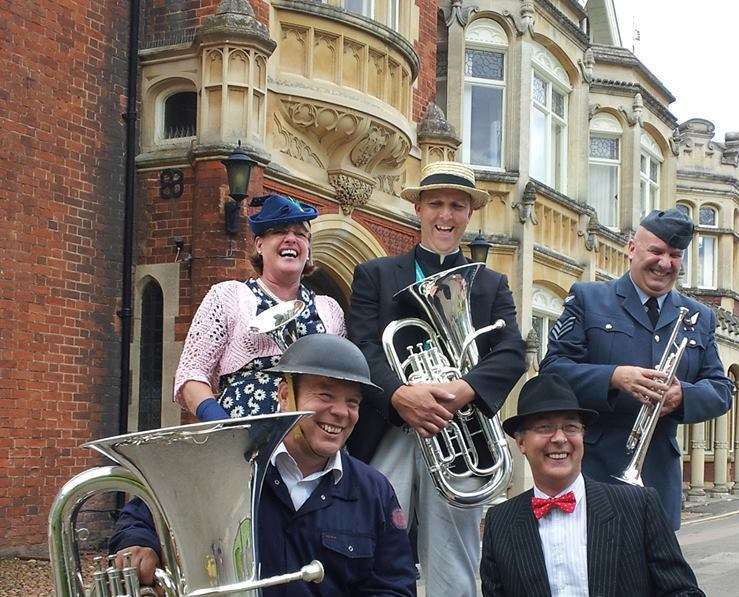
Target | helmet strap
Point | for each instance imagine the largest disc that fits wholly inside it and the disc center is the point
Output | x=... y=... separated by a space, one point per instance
x=292 y=405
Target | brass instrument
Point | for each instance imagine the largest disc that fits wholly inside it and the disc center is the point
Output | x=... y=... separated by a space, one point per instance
x=648 y=417
x=472 y=444
x=279 y=322
x=202 y=483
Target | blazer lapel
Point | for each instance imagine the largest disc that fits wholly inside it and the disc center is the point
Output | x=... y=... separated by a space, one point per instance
x=603 y=541
x=668 y=313
x=405 y=272
x=631 y=302
x=529 y=556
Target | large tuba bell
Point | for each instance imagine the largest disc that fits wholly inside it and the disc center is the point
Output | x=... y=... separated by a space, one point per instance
x=473 y=444
x=641 y=433
x=202 y=484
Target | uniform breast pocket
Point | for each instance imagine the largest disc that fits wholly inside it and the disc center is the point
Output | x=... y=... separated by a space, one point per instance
x=349 y=552
x=608 y=338
x=693 y=357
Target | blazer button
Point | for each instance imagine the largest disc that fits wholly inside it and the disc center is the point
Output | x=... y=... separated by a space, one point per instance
x=692 y=342
x=656 y=338
x=609 y=327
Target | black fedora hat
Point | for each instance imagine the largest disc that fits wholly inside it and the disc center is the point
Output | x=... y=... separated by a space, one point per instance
x=546 y=393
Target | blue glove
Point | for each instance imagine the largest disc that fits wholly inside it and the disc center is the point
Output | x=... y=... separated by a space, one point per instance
x=210 y=410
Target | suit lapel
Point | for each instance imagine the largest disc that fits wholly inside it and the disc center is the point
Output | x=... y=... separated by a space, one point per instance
x=529 y=556
x=603 y=540
x=631 y=302
x=405 y=272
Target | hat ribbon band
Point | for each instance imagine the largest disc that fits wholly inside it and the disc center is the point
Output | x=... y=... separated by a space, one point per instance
x=447 y=179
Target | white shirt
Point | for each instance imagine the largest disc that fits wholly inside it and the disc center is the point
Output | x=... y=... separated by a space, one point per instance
x=564 y=540
x=300 y=487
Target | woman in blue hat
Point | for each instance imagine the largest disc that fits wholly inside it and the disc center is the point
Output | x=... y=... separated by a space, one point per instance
x=222 y=368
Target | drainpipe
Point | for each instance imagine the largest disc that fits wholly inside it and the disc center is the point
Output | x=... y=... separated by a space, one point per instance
x=126 y=312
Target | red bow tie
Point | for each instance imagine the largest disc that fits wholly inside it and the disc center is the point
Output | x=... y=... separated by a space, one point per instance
x=542 y=506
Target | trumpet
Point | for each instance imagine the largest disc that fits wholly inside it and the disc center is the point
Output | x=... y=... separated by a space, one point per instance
x=473 y=444
x=646 y=421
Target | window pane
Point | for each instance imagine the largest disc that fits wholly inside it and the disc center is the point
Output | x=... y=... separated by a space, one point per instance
x=363 y=7
x=603 y=192
x=393 y=14
x=483 y=64
x=654 y=170
x=683 y=209
x=685 y=267
x=180 y=115
x=653 y=198
x=603 y=147
x=558 y=104
x=559 y=150
x=486 y=125
x=539 y=91
x=644 y=198
x=707 y=216
x=706 y=261
x=644 y=164
x=538 y=145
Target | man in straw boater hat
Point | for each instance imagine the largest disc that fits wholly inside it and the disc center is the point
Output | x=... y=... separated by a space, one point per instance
x=448 y=538
x=609 y=339
x=571 y=536
x=317 y=502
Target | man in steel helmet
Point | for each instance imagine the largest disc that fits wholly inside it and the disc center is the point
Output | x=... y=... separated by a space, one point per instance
x=317 y=502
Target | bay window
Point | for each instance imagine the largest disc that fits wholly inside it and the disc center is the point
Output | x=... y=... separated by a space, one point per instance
x=604 y=168
x=650 y=163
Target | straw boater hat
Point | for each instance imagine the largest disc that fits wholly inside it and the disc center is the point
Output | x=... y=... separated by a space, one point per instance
x=447 y=175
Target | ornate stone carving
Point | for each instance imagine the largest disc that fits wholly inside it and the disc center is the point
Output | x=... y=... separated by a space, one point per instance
x=389 y=183
x=295 y=147
x=592 y=109
x=637 y=110
x=351 y=191
x=459 y=13
x=692 y=134
x=435 y=125
x=236 y=18
x=528 y=13
x=591 y=238
x=730 y=156
x=587 y=65
x=525 y=205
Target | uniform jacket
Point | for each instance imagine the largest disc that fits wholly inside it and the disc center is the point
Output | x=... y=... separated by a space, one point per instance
x=355 y=528
x=605 y=325
x=373 y=307
x=631 y=549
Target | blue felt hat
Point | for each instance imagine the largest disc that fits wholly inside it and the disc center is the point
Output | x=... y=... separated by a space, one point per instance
x=278 y=211
x=671 y=225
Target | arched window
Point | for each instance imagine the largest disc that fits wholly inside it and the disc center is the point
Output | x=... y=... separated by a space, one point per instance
x=605 y=166
x=550 y=88
x=180 y=115
x=707 y=247
x=150 y=359
x=546 y=307
x=484 y=91
x=686 y=276
x=650 y=163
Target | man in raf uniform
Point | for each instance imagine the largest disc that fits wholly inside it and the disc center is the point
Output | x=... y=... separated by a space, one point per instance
x=607 y=342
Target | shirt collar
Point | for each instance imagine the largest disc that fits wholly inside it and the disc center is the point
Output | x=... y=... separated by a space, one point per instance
x=577 y=487
x=333 y=465
x=644 y=297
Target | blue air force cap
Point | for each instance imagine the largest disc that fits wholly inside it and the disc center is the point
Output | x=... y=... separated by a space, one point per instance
x=278 y=211
x=671 y=226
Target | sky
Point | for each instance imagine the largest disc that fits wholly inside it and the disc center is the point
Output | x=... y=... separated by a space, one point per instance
x=692 y=48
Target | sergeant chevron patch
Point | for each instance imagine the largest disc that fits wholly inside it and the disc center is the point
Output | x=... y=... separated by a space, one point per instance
x=562 y=327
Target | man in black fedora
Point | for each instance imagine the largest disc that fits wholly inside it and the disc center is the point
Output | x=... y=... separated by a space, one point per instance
x=571 y=536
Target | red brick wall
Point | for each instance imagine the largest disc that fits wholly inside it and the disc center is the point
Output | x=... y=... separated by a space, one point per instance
x=426 y=49
x=61 y=212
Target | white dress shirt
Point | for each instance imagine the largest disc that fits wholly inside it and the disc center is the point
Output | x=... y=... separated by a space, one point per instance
x=300 y=487
x=564 y=540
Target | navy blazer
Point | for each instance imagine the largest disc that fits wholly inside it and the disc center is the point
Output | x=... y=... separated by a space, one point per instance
x=355 y=528
x=631 y=549
x=605 y=325
x=373 y=307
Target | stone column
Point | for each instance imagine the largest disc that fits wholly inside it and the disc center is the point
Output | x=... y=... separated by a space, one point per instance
x=697 y=493
x=721 y=456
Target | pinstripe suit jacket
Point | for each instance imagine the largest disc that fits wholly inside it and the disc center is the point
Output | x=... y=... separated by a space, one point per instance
x=632 y=549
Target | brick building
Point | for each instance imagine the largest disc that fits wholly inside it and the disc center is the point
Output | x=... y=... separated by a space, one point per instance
x=331 y=98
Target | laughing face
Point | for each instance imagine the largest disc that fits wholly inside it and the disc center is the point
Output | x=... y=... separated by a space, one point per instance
x=554 y=459
x=655 y=265
x=444 y=215
x=336 y=407
x=284 y=250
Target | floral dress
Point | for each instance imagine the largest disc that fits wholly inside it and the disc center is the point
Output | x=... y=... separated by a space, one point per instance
x=252 y=390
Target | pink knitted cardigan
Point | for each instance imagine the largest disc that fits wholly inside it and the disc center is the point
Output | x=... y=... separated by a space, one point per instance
x=219 y=340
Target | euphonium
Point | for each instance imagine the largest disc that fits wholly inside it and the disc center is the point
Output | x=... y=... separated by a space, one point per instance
x=279 y=322
x=472 y=444
x=202 y=484
x=648 y=417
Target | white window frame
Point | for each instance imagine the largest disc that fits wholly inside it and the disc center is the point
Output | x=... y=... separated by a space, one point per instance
x=649 y=151
x=548 y=307
x=488 y=36
x=367 y=10
x=687 y=277
x=548 y=68
x=393 y=14
x=712 y=284
x=607 y=126
x=159 y=114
